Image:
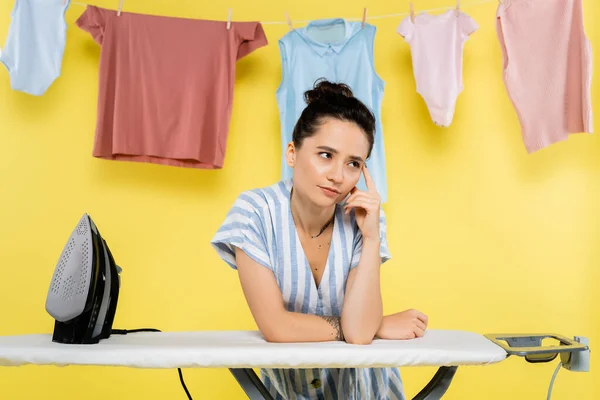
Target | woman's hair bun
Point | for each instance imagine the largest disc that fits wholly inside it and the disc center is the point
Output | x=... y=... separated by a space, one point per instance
x=325 y=90
x=329 y=100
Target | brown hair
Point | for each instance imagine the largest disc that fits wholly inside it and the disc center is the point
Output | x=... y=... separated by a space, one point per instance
x=332 y=100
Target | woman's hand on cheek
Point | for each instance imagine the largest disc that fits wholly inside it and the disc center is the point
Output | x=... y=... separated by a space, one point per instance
x=367 y=206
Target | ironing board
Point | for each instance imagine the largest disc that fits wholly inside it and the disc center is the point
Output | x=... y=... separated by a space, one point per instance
x=241 y=351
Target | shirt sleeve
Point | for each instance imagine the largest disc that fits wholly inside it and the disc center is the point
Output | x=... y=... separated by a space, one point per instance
x=384 y=251
x=406 y=28
x=243 y=228
x=252 y=36
x=93 y=21
x=467 y=25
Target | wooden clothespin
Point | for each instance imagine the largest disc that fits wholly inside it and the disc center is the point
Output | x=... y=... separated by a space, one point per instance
x=412 y=13
x=289 y=21
x=120 y=8
x=457 y=8
x=229 y=19
x=364 y=19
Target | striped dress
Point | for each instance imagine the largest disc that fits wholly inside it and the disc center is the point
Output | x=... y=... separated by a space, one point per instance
x=260 y=223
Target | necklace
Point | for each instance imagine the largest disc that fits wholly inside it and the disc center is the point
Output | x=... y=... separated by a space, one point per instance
x=322 y=229
x=324 y=226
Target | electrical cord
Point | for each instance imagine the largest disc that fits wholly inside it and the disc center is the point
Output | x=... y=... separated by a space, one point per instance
x=553 y=377
x=126 y=331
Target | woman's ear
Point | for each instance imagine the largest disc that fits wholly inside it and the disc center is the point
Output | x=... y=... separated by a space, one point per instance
x=290 y=155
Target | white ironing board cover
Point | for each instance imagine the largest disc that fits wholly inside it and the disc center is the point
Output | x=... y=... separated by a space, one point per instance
x=248 y=349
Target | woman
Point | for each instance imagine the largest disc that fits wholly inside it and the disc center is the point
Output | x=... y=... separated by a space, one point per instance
x=308 y=252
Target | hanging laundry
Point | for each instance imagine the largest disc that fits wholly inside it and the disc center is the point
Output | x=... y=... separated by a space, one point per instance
x=166 y=85
x=340 y=51
x=35 y=44
x=547 y=68
x=437 y=43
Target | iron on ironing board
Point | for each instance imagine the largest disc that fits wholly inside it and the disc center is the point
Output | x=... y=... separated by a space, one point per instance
x=84 y=289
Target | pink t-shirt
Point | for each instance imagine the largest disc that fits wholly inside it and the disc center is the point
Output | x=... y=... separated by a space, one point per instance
x=166 y=85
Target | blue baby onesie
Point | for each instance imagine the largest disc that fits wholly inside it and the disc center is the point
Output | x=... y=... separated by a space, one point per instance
x=35 y=44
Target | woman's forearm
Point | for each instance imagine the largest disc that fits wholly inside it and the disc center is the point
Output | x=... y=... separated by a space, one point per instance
x=286 y=327
x=362 y=312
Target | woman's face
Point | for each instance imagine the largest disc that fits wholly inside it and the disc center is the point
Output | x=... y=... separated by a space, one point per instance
x=329 y=163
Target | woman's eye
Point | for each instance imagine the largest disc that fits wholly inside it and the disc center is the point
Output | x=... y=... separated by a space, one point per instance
x=325 y=154
x=355 y=164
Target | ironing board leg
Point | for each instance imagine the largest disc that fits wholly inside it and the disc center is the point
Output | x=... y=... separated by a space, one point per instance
x=438 y=385
x=256 y=390
x=251 y=384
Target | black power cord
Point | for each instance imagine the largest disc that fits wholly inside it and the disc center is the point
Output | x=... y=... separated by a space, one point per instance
x=126 y=331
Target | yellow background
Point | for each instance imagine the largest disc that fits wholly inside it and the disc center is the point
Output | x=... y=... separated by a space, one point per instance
x=484 y=237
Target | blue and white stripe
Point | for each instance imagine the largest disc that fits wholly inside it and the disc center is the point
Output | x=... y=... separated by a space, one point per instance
x=261 y=224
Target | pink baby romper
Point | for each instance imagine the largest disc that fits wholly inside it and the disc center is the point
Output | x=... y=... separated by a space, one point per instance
x=436 y=45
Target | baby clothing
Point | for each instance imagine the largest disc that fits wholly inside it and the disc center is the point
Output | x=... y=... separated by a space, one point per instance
x=340 y=51
x=166 y=85
x=436 y=43
x=547 y=68
x=35 y=44
x=260 y=223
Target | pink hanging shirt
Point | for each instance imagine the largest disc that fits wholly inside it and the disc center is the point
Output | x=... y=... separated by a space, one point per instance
x=547 y=68
x=166 y=85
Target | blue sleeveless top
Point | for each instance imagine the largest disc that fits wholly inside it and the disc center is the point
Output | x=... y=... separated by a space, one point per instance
x=342 y=52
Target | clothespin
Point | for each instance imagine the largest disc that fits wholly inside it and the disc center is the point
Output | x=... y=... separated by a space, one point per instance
x=412 y=13
x=364 y=17
x=457 y=8
x=120 y=8
x=229 y=19
x=289 y=21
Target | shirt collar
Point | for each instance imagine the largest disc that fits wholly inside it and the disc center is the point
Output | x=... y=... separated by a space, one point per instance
x=322 y=47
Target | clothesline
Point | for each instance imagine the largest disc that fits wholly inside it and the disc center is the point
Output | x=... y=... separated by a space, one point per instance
x=360 y=19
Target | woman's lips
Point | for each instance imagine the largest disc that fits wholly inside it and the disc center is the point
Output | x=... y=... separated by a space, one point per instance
x=329 y=192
